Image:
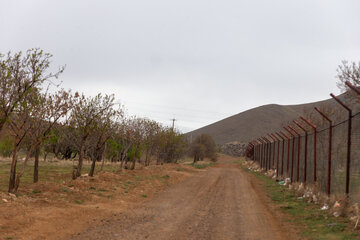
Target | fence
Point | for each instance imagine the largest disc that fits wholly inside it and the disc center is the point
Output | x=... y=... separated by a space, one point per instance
x=328 y=157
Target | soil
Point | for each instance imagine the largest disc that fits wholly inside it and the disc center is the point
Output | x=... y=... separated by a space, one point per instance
x=50 y=210
x=221 y=202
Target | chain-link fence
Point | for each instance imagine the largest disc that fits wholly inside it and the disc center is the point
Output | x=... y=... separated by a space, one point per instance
x=328 y=157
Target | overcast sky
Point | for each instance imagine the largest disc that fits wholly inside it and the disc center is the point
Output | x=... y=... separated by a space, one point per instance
x=196 y=60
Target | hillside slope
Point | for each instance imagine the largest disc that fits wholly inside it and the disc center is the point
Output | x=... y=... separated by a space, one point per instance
x=255 y=122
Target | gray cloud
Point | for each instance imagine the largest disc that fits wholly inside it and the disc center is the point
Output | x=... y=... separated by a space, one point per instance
x=199 y=61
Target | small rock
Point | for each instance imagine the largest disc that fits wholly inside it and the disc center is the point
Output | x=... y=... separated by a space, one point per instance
x=5 y=200
x=336 y=214
x=12 y=195
x=325 y=207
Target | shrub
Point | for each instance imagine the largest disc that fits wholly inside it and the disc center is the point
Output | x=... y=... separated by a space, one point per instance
x=6 y=146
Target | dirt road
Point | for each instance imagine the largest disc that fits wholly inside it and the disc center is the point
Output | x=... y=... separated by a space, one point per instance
x=219 y=203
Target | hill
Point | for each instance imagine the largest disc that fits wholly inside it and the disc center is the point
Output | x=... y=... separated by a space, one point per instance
x=256 y=122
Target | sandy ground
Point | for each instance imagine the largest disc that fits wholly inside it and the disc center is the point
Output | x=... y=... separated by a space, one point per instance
x=222 y=202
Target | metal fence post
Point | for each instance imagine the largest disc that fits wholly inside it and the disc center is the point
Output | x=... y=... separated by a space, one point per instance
x=278 y=151
x=274 y=140
x=282 y=153
x=255 y=150
x=313 y=127
x=267 y=165
x=261 y=152
x=292 y=153
x=288 y=153
x=348 y=143
x=298 y=153
x=329 y=151
x=305 y=153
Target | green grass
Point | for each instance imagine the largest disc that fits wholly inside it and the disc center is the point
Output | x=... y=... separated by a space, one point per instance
x=313 y=222
x=101 y=190
x=65 y=189
x=165 y=177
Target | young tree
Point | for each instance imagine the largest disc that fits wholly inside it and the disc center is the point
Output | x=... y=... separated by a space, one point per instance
x=104 y=129
x=197 y=150
x=152 y=131
x=203 y=146
x=135 y=138
x=83 y=120
x=48 y=111
x=19 y=75
x=20 y=125
x=171 y=145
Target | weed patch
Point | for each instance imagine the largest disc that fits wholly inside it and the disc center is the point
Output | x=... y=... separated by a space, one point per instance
x=64 y=189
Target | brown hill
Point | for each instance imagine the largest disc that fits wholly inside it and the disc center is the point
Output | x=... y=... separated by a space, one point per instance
x=256 y=122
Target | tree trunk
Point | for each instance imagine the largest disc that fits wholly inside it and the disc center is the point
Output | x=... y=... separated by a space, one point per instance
x=147 y=157
x=103 y=158
x=81 y=156
x=102 y=164
x=196 y=158
x=92 y=169
x=121 y=161
x=19 y=175
x=45 y=155
x=132 y=167
x=36 y=164
x=13 y=170
x=126 y=161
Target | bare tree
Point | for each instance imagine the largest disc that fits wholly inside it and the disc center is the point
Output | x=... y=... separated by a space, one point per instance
x=104 y=128
x=348 y=72
x=19 y=75
x=151 y=135
x=83 y=119
x=46 y=112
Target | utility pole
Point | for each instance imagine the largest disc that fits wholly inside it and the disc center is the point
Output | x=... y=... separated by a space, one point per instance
x=173 y=123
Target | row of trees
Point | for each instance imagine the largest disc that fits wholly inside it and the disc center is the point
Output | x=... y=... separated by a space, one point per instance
x=35 y=118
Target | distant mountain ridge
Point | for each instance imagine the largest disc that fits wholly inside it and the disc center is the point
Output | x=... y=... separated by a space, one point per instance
x=256 y=122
